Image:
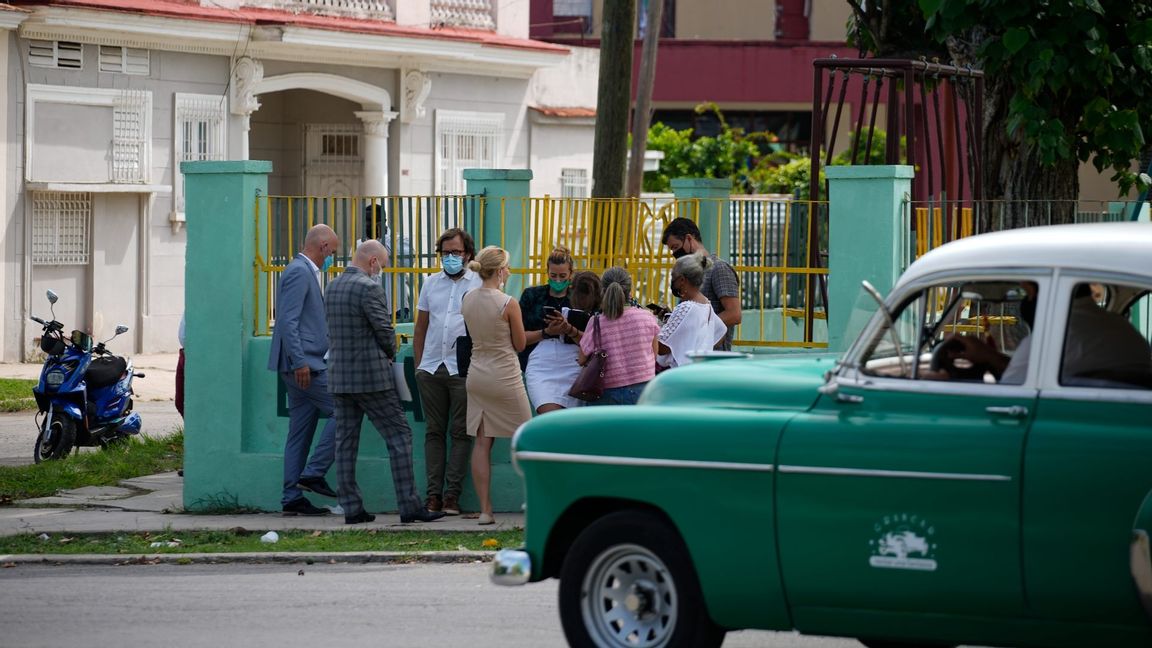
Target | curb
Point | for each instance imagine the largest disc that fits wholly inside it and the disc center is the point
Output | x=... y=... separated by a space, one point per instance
x=334 y=557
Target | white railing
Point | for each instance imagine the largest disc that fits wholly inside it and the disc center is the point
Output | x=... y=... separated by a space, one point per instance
x=370 y=9
x=469 y=14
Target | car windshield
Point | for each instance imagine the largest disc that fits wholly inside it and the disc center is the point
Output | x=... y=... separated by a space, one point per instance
x=989 y=310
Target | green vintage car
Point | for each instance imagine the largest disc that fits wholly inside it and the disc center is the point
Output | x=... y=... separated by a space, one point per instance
x=976 y=468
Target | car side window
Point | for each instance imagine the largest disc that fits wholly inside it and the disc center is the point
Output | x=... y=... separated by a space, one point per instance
x=1106 y=339
x=958 y=331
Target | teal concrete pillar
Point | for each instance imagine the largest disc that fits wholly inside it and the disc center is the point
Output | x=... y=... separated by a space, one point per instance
x=868 y=237
x=713 y=195
x=506 y=213
x=218 y=297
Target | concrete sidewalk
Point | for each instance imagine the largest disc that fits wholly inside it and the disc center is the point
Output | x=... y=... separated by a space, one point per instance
x=154 y=503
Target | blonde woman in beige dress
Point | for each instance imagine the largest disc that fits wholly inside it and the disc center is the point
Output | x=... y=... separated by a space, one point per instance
x=497 y=401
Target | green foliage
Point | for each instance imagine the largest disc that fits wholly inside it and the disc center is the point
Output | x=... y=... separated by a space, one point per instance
x=733 y=153
x=135 y=457
x=16 y=395
x=1077 y=73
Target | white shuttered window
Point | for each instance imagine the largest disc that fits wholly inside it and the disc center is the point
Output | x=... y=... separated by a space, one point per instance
x=56 y=54
x=465 y=140
x=60 y=227
x=201 y=124
x=126 y=60
x=573 y=183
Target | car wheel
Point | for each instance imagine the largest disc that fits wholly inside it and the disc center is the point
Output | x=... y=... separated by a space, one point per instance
x=628 y=581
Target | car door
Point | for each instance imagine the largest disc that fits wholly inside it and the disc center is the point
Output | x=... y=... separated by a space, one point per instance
x=1088 y=465
x=900 y=493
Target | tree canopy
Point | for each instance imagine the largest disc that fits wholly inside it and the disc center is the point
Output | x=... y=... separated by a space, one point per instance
x=1067 y=81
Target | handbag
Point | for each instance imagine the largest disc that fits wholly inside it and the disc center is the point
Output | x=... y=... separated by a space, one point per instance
x=463 y=353
x=589 y=385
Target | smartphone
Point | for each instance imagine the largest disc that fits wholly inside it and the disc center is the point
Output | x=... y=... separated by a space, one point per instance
x=551 y=311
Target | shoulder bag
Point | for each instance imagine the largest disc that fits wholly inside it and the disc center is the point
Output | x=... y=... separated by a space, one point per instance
x=589 y=385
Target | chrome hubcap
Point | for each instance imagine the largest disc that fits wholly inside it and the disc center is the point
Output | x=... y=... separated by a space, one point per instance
x=629 y=599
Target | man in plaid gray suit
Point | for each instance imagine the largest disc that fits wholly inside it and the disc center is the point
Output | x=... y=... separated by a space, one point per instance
x=362 y=345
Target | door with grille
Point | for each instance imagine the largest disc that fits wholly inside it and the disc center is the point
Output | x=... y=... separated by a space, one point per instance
x=333 y=159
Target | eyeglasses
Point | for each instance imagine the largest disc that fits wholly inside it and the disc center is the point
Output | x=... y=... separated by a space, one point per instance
x=456 y=253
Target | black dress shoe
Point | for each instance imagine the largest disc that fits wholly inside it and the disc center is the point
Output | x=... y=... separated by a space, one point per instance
x=362 y=516
x=423 y=515
x=316 y=485
x=302 y=506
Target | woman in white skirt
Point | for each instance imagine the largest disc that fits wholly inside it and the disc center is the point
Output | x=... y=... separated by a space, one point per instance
x=693 y=325
x=551 y=354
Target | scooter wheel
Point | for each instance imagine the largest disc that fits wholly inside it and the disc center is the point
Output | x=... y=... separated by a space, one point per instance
x=56 y=438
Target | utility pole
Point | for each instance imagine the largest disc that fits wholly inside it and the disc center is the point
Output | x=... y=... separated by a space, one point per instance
x=643 y=113
x=614 y=94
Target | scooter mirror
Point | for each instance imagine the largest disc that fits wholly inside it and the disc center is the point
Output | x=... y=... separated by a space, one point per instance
x=121 y=329
x=52 y=297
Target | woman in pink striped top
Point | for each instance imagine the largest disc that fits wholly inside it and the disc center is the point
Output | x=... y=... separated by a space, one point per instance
x=627 y=335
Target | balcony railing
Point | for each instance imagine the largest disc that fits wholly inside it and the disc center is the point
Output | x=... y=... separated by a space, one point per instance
x=368 y=9
x=469 y=14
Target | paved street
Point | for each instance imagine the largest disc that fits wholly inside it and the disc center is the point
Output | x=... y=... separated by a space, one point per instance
x=271 y=605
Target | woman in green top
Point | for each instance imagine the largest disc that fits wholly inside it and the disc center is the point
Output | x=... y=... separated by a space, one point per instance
x=551 y=354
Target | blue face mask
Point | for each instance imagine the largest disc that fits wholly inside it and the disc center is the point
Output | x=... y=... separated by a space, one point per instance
x=328 y=260
x=452 y=264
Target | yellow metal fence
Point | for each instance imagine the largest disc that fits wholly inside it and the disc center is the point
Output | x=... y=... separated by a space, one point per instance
x=767 y=242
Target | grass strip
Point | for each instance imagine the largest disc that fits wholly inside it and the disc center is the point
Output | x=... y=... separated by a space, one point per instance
x=16 y=395
x=242 y=541
x=135 y=457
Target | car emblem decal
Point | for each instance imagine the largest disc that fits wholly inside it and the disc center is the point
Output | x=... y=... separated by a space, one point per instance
x=903 y=541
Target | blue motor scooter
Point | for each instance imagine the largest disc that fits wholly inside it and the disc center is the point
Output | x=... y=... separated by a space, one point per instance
x=84 y=394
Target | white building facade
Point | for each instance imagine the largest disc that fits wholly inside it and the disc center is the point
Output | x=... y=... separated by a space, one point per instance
x=345 y=97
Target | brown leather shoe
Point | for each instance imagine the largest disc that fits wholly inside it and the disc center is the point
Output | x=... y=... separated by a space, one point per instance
x=451 y=505
x=434 y=504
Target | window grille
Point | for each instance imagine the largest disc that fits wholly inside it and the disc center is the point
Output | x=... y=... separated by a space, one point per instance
x=129 y=141
x=56 y=54
x=573 y=183
x=368 y=9
x=465 y=140
x=200 y=134
x=126 y=60
x=572 y=8
x=60 y=224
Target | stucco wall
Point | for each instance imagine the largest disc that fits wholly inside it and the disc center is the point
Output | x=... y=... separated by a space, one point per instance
x=417 y=171
x=11 y=234
x=737 y=20
x=559 y=146
x=828 y=20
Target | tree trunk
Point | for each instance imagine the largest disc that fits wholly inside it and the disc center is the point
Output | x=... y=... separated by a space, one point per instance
x=614 y=94
x=643 y=113
x=1019 y=189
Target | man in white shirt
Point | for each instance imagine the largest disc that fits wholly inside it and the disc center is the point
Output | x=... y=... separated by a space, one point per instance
x=442 y=388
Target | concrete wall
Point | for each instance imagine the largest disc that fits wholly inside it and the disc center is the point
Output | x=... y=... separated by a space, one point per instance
x=417 y=171
x=828 y=20
x=11 y=227
x=555 y=146
x=736 y=20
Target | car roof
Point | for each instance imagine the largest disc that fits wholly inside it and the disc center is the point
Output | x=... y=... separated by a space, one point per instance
x=1109 y=247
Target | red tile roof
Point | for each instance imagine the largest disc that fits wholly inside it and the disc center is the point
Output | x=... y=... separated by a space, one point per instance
x=556 y=111
x=191 y=10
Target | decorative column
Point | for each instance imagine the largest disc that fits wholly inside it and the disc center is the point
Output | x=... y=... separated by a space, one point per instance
x=246 y=74
x=868 y=238
x=375 y=151
x=505 y=194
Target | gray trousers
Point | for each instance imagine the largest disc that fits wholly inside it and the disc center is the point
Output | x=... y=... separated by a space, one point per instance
x=383 y=409
x=445 y=400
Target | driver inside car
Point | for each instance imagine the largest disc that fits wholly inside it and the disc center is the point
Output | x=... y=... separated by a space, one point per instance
x=1009 y=370
x=1099 y=344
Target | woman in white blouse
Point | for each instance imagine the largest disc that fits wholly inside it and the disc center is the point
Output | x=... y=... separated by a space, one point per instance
x=692 y=326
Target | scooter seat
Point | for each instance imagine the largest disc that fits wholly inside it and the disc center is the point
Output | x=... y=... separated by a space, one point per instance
x=105 y=371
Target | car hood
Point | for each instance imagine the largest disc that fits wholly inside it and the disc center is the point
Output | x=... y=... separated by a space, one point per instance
x=757 y=382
